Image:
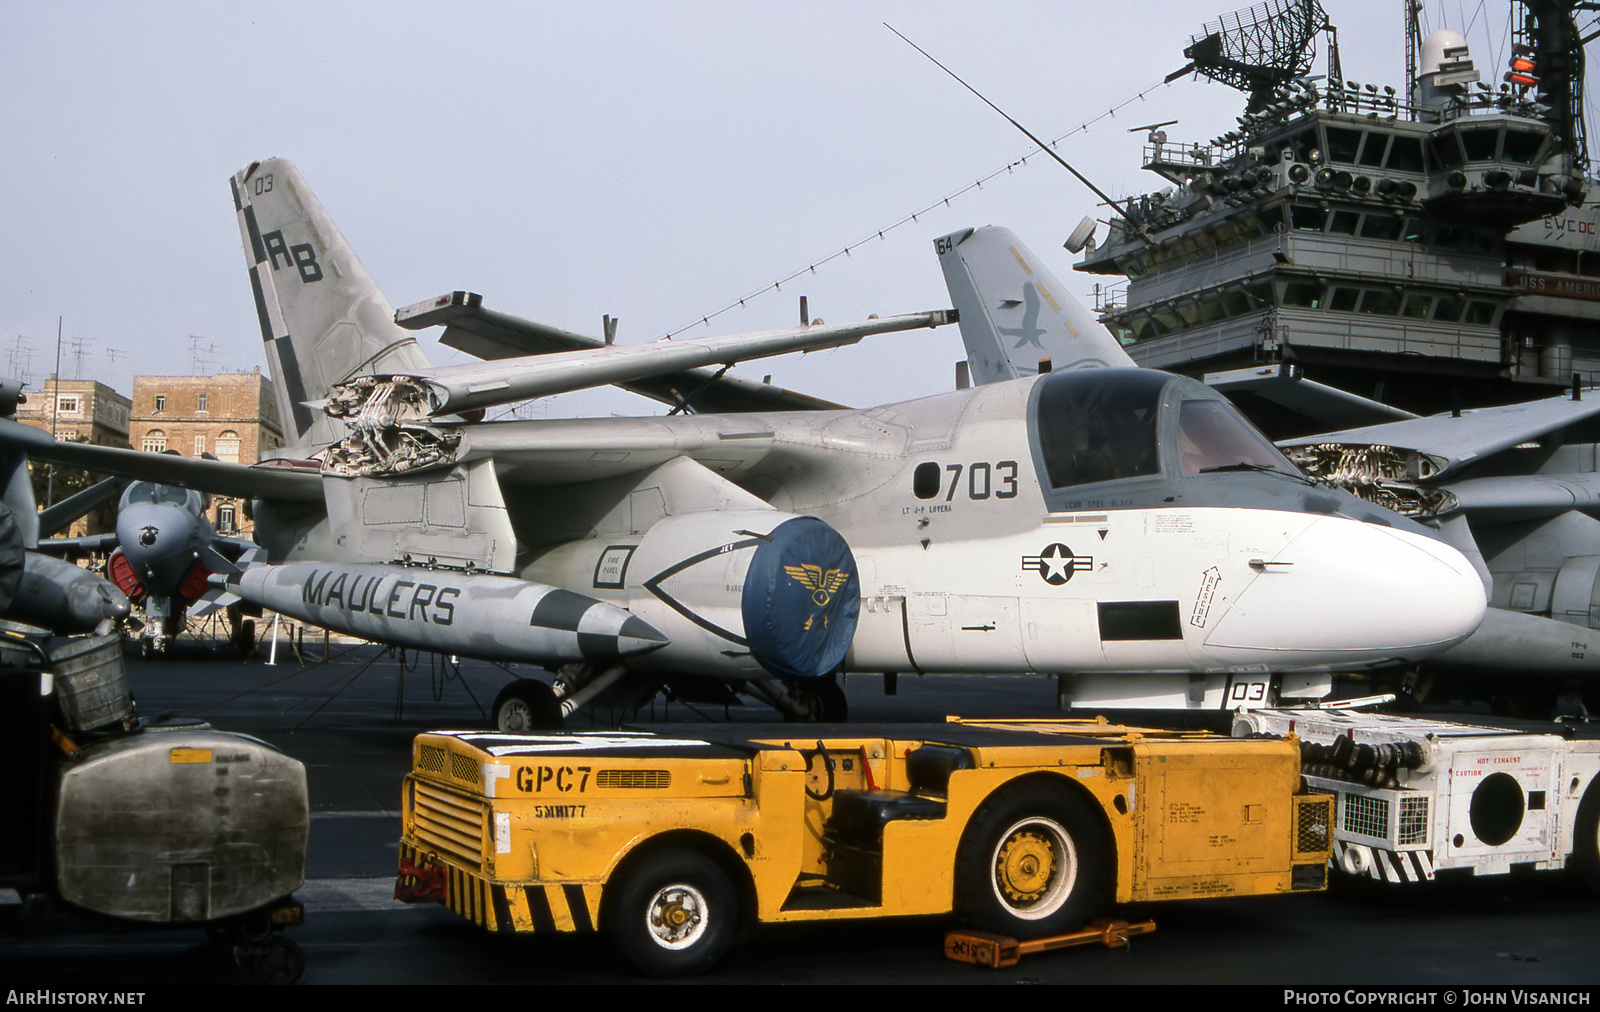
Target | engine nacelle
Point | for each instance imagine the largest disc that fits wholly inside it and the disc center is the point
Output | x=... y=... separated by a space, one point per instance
x=740 y=594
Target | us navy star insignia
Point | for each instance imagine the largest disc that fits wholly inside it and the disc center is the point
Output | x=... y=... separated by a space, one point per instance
x=1056 y=564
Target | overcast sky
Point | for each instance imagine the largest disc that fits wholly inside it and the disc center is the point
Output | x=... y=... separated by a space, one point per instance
x=651 y=161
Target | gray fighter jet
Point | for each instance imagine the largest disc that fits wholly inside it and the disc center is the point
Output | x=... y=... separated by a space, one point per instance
x=1118 y=521
x=1514 y=488
x=161 y=556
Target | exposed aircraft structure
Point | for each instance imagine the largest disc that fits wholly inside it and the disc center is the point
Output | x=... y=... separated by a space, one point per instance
x=1049 y=524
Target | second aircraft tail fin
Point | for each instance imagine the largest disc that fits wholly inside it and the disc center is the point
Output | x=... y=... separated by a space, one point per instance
x=323 y=318
x=1014 y=313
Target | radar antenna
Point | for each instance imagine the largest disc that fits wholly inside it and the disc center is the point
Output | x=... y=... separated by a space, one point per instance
x=1258 y=50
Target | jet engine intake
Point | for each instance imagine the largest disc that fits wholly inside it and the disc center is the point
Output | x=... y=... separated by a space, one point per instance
x=740 y=593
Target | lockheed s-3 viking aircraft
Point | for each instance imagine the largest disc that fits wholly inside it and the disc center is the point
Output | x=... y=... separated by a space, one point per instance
x=1515 y=488
x=1115 y=521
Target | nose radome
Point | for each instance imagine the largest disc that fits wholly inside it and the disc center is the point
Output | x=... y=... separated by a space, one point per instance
x=1356 y=591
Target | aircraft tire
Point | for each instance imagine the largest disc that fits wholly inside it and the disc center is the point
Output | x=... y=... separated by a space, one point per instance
x=245 y=639
x=821 y=700
x=1035 y=860
x=673 y=912
x=1586 y=838
x=527 y=705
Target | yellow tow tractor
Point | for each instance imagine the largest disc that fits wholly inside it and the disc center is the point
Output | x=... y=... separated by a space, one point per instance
x=671 y=843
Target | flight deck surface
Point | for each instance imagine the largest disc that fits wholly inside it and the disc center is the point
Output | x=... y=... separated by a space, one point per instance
x=354 y=727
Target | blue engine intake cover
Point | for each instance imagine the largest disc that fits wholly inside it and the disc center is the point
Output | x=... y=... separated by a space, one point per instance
x=802 y=599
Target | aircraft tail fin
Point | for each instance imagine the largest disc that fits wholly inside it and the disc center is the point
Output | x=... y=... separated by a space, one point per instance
x=323 y=318
x=1014 y=313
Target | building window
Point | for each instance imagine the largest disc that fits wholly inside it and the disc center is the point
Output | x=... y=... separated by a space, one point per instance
x=228 y=446
x=199 y=445
x=155 y=441
x=161 y=402
x=67 y=405
x=227 y=519
x=200 y=403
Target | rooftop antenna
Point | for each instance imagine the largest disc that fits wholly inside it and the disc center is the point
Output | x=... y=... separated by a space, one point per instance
x=55 y=411
x=80 y=351
x=20 y=360
x=200 y=358
x=1126 y=214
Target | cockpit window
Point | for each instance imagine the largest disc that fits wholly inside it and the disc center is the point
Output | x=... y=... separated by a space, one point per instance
x=147 y=492
x=1099 y=424
x=1213 y=437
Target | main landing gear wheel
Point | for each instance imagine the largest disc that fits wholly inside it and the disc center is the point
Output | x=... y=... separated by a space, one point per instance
x=674 y=913
x=820 y=700
x=1035 y=861
x=244 y=637
x=527 y=705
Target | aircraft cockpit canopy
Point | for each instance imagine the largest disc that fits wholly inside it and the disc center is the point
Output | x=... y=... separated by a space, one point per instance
x=1213 y=436
x=1099 y=424
x=145 y=492
x=1096 y=425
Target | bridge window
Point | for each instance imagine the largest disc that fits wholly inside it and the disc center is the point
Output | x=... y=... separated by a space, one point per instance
x=1381 y=226
x=1380 y=301
x=1342 y=144
x=1304 y=295
x=1417 y=307
x=1480 y=144
x=1372 y=151
x=1446 y=149
x=1521 y=146
x=1308 y=218
x=1405 y=154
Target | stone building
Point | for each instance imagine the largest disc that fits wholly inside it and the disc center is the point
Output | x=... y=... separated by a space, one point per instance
x=81 y=411
x=232 y=416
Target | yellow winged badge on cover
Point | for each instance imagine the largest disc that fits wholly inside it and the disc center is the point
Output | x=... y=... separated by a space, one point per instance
x=823 y=585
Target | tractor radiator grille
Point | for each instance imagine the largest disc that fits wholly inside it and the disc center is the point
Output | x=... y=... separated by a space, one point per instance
x=448 y=824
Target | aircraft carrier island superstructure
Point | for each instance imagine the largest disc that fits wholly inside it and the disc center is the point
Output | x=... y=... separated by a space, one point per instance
x=1370 y=236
